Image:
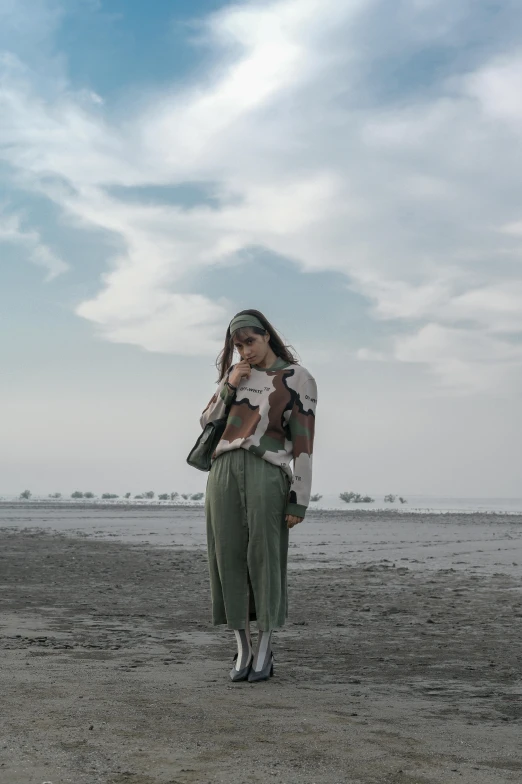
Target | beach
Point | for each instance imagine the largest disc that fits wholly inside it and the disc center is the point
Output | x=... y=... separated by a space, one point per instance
x=400 y=661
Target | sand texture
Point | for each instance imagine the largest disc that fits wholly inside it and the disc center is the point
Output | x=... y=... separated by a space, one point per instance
x=112 y=672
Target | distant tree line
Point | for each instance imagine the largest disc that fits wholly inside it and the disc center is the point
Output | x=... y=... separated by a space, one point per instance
x=348 y=497
x=357 y=498
x=149 y=495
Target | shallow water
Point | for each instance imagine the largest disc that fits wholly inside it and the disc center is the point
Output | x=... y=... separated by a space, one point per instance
x=485 y=542
x=416 y=504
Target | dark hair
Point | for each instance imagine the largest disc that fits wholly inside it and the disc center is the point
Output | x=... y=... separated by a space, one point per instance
x=280 y=349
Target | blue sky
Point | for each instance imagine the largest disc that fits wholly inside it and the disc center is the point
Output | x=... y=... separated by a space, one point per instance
x=347 y=168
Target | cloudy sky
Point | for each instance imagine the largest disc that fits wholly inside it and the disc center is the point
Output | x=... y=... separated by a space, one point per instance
x=352 y=168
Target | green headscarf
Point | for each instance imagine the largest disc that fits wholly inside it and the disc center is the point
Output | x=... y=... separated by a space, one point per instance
x=245 y=320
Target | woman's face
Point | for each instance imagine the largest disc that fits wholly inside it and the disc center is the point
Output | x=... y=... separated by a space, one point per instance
x=251 y=346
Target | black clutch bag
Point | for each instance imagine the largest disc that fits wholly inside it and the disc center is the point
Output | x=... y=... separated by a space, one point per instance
x=200 y=454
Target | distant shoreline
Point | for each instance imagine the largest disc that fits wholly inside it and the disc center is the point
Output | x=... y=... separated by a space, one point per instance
x=350 y=510
x=83 y=503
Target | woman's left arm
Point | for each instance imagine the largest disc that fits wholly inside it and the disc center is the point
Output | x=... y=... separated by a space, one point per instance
x=302 y=431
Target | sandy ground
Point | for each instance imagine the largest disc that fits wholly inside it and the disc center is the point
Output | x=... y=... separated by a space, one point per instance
x=112 y=672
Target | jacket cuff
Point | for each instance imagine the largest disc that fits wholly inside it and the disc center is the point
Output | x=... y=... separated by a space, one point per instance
x=298 y=510
x=227 y=396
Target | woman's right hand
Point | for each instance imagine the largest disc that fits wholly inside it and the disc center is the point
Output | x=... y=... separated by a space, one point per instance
x=240 y=371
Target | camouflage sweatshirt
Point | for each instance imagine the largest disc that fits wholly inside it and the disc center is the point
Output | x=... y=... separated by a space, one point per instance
x=272 y=414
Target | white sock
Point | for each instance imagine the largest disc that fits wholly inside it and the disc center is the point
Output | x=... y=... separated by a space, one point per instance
x=244 y=648
x=263 y=650
x=244 y=642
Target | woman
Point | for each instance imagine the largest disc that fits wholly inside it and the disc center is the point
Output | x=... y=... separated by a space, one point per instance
x=252 y=497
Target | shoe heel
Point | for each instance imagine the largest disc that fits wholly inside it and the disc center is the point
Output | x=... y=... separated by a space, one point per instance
x=262 y=675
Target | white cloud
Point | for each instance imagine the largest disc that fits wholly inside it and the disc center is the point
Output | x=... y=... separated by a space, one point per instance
x=496 y=87
x=462 y=360
x=407 y=194
x=36 y=250
x=372 y=356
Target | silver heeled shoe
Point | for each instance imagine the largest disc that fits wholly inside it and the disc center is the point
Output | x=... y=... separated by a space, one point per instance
x=264 y=674
x=242 y=674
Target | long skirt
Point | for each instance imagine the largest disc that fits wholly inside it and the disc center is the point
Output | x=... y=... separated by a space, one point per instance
x=247 y=540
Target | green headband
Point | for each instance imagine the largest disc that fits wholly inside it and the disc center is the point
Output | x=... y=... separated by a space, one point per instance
x=238 y=322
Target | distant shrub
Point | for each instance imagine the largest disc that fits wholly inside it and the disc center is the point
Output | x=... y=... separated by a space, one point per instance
x=163 y=497
x=148 y=494
x=138 y=496
x=89 y=495
x=55 y=495
x=356 y=498
x=127 y=495
x=26 y=494
x=76 y=494
x=389 y=499
x=185 y=495
x=315 y=497
x=402 y=500
x=197 y=496
x=109 y=495
x=173 y=496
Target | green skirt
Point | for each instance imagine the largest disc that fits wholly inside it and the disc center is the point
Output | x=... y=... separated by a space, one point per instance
x=247 y=540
